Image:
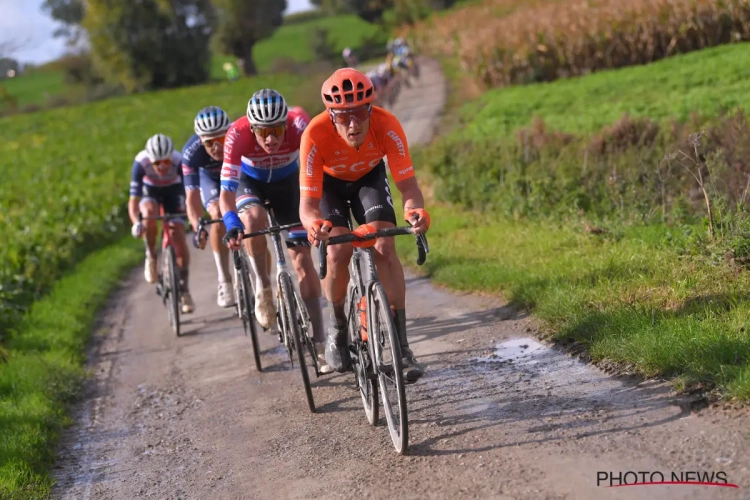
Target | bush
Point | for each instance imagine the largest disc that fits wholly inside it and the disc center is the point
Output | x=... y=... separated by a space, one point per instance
x=631 y=171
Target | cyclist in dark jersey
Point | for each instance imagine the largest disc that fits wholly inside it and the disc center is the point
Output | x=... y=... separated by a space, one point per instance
x=202 y=157
x=156 y=180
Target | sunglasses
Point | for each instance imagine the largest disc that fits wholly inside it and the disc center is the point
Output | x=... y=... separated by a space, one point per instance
x=345 y=116
x=208 y=143
x=276 y=131
x=161 y=163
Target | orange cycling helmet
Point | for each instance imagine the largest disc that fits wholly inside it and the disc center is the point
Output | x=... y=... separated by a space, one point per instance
x=347 y=88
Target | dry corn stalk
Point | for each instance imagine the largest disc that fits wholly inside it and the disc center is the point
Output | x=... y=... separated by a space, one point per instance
x=505 y=42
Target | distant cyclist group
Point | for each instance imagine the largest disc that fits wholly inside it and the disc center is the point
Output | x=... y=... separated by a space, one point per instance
x=400 y=65
x=311 y=173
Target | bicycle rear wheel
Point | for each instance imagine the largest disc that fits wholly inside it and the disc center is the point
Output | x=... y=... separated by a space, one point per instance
x=246 y=307
x=172 y=281
x=294 y=321
x=387 y=351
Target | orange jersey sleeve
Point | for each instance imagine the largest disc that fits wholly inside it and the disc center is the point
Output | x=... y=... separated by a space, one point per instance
x=311 y=159
x=396 y=148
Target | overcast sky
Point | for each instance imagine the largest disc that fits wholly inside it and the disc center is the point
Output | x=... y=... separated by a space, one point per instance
x=23 y=20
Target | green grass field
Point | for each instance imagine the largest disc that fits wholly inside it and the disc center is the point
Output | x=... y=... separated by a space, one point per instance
x=703 y=82
x=655 y=298
x=42 y=371
x=288 y=42
x=64 y=197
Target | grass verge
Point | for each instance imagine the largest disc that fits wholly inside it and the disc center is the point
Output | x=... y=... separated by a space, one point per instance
x=635 y=296
x=703 y=82
x=41 y=368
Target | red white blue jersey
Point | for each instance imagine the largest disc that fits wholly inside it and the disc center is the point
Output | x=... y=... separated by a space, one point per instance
x=243 y=154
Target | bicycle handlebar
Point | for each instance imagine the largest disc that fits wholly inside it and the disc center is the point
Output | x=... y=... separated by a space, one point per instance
x=206 y=222
x=422 y=247
x=167 y=217
x=272 y=229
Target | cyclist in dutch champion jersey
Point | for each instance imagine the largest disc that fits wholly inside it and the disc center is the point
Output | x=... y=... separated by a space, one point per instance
x=342 y=160
x=157 y=180
x=202 y=157
x=261 y=162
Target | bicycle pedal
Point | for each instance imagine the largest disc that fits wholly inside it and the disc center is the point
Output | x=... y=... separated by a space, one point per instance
x=386 y=369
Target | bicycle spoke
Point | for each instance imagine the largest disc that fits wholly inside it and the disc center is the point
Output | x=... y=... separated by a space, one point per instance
x=391 y=378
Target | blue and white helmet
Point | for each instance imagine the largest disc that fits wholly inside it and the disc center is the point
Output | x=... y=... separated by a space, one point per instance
x=266 y=107
x=211 y=121
x=159 y=147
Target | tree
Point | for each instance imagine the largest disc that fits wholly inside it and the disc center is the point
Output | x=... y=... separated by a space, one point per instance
x=333 y=7
x=149 y=44
x=243 y=23
x=68 y=12
x=370 y=10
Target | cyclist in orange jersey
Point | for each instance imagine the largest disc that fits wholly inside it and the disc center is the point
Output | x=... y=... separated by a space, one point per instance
x=342 y=156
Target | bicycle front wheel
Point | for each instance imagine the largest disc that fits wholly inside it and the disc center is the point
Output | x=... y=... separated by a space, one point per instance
x=294 y=322
x=387 y=353
x=362 y=362
x=172 y=280
x=246 y=306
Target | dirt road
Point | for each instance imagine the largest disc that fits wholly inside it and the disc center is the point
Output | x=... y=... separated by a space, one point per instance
x=497 y=414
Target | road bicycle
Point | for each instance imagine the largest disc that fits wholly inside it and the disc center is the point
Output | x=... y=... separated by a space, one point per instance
x=168 y=281
x=374 y=344
x=293 y=320
x=244 y=293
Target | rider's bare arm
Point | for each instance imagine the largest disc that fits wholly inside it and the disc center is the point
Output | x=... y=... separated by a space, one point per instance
x=133 y=209
x=136 y=191
x=411 y=194
x=311 y=188
x=194 y=206
x=227 y=201
x=309 y=211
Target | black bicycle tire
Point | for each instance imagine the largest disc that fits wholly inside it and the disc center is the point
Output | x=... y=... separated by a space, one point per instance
x=308 y=339
x=372 y=402
x=290 y=306
x=248 y=319
x=174 y=289
x=378 y=296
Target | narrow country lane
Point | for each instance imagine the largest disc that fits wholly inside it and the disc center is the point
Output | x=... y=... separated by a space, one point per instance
x=497 y=415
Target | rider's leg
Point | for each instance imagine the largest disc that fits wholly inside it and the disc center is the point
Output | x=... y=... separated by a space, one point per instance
x=334 y=209
x=221 y=252
x=250 y=196
x=149 y=207
x=255 y=219
x=309 y=287
x=210 y=189
x=177 y=235
x=174 y=203
x=336 y=284
x=375 y=206
x=225 y=296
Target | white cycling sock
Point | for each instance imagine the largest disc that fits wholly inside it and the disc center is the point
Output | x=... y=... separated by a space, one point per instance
x=223 y=278
x=258 y=281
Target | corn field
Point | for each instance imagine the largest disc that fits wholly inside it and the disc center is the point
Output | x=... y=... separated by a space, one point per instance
x=506 y=42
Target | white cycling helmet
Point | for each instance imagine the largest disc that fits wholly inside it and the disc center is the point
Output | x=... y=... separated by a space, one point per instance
x=347 y=52
x=398 y=42
x=159 y=147
x=211 y=121
x=266 y=107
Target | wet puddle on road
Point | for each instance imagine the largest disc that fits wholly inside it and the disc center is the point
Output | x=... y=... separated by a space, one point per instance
x=515 y=350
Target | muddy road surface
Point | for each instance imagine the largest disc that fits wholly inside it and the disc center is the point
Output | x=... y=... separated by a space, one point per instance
x=497 y=415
